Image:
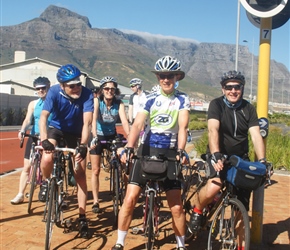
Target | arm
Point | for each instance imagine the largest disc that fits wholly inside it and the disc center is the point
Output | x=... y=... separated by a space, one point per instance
x=123 y=118
x=183 y=120
x=136 y=128
x=88 y=116
x=130 y=113
x=28 y=118
x=95 y=117
x=258 y=142
x=43 y=124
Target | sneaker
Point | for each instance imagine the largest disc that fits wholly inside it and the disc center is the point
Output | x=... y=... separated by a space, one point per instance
x=96 y=208
x=117 y=247
x=195 y=221
x=43 y=192
x=89 y=166
x=83 y=228
x=19 y=198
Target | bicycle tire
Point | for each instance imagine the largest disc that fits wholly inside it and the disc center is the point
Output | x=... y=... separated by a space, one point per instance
x=149 y=232
x=115 y=193
x=33 y=181
x=51 y=213
x=226 y=223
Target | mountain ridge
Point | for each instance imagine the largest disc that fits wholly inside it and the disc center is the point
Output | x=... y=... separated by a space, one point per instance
x=63 y=36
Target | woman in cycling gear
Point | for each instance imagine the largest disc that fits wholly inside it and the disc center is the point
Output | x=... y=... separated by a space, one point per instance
x=167 y=112
x=107 y=111
x=41 y=85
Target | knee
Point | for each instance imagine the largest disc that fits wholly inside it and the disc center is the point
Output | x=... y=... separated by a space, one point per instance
x=176 y=210
x=130 y=201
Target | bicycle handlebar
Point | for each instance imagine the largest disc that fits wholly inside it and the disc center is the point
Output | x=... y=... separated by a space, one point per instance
x=23 y=135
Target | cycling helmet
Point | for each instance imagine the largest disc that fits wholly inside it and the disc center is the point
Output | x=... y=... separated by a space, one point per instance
x=41 y=82
x=108 y=79
x=232 y=76
x=155 y=88
x=169 y=64
x=67 y=73
x=136 y=81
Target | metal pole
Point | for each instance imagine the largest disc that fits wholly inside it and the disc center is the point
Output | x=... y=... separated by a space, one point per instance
x=237 y=36
x=252 y=71
x=262 y=110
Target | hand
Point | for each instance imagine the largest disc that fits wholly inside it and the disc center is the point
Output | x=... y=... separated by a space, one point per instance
x=47 y=145
x=94 y=142
x=126 y=154
x=21 y=134
x=81 y=152
x=183 y=156
x=217 y=160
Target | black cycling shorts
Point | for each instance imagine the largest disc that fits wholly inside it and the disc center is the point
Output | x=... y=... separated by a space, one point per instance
x=63 y=139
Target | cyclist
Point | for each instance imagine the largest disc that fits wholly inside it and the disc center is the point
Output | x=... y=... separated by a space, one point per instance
x=167 y=112
x=230 y=118
x=137 y=99
x=72 y=107
x=41 y=85
x=107 y=110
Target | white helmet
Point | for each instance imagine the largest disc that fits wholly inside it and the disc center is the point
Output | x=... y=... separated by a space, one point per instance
x=169 y=64
x=136 y=81
x=108 y=79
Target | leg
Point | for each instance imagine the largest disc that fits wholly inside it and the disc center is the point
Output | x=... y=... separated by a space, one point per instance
x=96 y=168
x=80 y=176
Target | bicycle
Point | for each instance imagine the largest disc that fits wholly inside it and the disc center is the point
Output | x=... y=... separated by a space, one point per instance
x=57 y=191
x=152 y=205
x=35 y=175
x=117 y=181
x=226 y=217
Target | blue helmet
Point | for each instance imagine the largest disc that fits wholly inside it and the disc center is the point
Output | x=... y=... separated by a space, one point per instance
x=67 y=73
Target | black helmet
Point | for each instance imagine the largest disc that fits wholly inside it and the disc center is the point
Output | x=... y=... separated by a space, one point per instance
x=232 y=76
x=41 y=82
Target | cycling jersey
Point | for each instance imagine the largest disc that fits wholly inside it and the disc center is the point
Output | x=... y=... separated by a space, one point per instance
x=137 y=101
x=67 y=113
x=234 y=125
x=38 y=105
x=107 y=118
x=162 y=128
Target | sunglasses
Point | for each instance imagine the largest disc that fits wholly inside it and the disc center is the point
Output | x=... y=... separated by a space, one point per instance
x=41 y=88
x=163 y=76
x=107 y=89
x=230 y=87
x=132 y=86
x=72 y=86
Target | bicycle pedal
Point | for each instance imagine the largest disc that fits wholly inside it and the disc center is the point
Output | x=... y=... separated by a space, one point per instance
x=136 y=230
x=27 y=195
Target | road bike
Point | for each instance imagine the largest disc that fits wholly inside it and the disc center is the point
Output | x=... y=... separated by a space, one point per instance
x=152 y=204
x=56 y=191
x=35 y=175
x=226 y=218
x=117 y=179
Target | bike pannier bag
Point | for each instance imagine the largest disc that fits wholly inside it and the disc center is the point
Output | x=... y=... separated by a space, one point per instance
x=153 y=165
x=245 y=174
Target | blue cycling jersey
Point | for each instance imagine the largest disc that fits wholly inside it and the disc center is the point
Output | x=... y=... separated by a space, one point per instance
x=67 y=114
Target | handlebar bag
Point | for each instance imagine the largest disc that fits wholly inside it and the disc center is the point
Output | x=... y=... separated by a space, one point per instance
x=245 y=174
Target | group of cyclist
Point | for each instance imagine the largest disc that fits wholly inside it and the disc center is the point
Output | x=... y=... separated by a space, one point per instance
x=73 y=113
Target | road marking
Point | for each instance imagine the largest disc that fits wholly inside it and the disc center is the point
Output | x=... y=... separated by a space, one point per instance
x=6 y=139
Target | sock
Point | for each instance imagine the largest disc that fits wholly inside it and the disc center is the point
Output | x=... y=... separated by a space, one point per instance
x=121 y=237
x=180 y=240
x=197 y=210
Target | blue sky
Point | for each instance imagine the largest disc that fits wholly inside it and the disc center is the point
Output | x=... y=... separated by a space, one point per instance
x=204 y=21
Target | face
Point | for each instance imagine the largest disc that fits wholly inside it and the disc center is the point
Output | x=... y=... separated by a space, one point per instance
x=134 y=88
x=41 y=91
x=167 y=81
x=109 y=90
x=233 y=91
x=73 y=90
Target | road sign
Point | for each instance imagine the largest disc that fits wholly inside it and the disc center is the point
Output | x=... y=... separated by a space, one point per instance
x=264 y=126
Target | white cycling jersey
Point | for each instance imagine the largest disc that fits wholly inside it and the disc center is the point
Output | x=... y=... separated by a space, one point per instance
x=162 y=126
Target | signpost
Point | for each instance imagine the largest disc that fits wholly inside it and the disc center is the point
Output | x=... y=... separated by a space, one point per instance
x=266 y=11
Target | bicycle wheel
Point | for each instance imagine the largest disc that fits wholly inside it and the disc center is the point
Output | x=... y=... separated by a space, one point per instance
x=230 y=228
x=149 y=230
x=51 y=212
x=115 y=193
x=33 y=182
